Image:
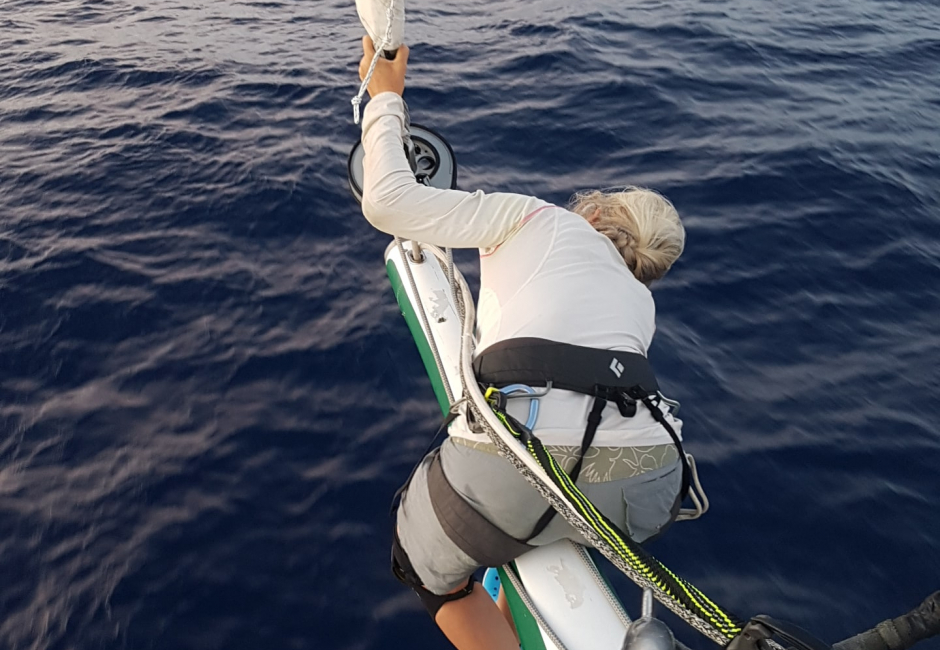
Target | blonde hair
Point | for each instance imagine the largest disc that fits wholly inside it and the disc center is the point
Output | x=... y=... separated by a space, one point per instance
x=643 y=225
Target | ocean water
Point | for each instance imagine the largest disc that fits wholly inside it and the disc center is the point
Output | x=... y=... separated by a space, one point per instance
x=208 y=397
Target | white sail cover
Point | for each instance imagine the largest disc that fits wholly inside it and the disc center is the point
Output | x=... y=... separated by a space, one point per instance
x=375 y=15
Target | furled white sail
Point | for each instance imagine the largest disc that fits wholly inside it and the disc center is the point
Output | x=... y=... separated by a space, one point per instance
x=384 y=21
x=377 y=16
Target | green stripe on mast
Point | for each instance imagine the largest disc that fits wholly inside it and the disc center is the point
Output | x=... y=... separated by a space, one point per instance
x=417 y=332
x=530 y=636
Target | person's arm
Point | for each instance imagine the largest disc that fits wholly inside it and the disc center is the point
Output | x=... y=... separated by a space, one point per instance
x=394 y=202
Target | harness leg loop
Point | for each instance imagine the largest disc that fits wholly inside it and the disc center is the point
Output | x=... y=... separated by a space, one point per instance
x=405 y=573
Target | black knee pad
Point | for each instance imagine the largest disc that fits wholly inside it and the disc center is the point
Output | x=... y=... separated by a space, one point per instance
x=406 y=574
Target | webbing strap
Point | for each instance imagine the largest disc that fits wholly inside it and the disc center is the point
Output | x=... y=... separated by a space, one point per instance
x=473 y=533
x=659 y=417
x=594 y=420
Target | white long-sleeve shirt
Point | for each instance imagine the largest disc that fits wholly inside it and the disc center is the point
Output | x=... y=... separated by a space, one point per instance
x=544 y=272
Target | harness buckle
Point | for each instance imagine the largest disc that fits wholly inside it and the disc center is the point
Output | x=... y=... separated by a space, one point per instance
x=626 y=405
x=624 y=399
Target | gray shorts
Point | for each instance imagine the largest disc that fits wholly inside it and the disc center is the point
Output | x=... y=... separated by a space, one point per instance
x=642 y=505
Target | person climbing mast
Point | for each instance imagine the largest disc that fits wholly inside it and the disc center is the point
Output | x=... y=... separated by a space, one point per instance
x=575 y=279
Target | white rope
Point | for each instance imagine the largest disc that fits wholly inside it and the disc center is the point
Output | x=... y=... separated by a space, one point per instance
x=533 y=610
x=379 y=47
x=407 y=261
x=605 y=588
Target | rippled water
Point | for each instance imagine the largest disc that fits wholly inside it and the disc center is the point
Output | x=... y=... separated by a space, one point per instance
x=207 y=396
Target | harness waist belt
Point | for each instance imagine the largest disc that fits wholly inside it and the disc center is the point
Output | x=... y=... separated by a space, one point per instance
x=536 y=362
x=608 y=375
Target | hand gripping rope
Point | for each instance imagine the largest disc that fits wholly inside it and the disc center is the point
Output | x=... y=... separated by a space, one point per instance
x=379 y=49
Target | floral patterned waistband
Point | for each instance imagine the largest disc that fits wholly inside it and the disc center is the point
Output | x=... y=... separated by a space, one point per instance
x=601 y=464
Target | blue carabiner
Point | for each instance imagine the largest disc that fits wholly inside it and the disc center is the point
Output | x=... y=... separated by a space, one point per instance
x=533 y=402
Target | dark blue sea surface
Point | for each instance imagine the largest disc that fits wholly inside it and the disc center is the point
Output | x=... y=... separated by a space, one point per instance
x=208 y=396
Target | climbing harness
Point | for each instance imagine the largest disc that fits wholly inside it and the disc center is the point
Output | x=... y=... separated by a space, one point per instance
x=681 y=594
x=609 y=376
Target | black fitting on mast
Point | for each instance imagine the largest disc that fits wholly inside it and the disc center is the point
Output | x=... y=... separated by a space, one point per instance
x=760 y=628
x=902 y=632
